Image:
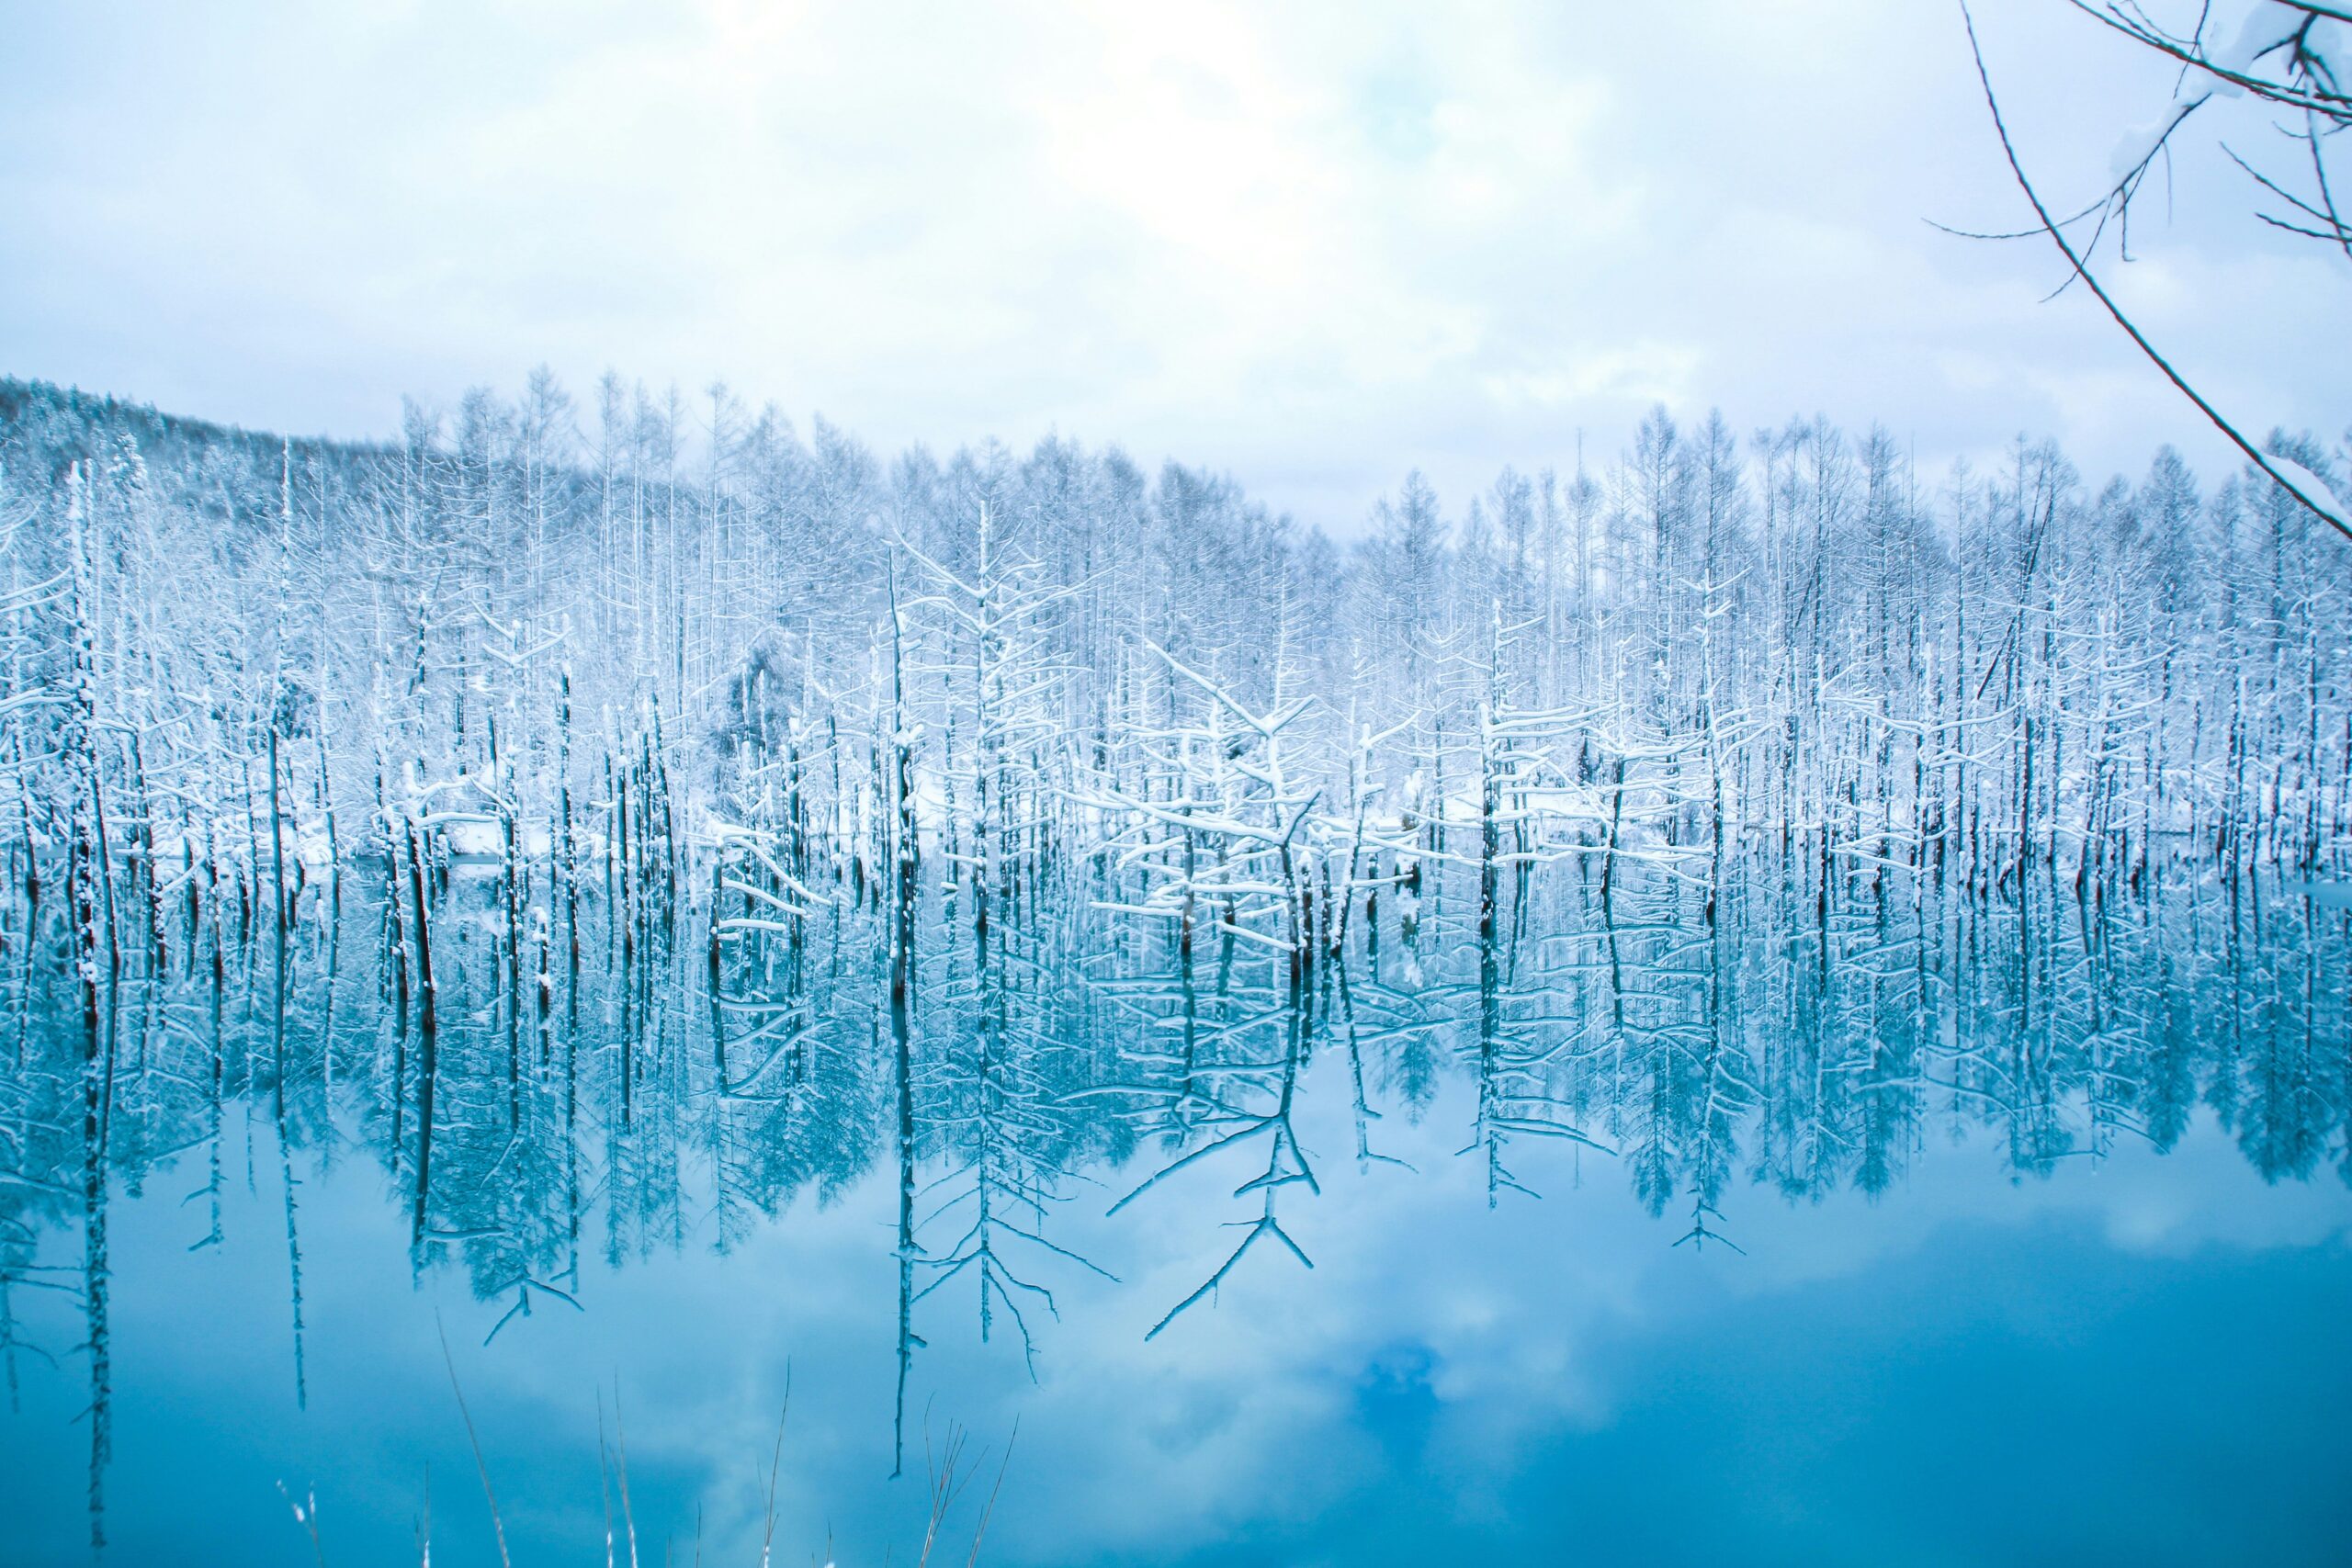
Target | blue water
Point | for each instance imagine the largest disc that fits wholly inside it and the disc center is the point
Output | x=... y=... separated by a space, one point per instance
x=1981 y=1333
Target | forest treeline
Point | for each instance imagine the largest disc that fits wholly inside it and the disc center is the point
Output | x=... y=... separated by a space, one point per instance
x=561 y=635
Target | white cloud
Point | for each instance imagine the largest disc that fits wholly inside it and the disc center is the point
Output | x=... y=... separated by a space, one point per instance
x=1314 y=245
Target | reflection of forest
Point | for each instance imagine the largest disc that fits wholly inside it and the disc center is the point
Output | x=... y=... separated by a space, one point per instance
x=684 y=1089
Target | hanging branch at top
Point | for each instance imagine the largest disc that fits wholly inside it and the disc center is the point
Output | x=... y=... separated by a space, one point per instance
x=2309 y=85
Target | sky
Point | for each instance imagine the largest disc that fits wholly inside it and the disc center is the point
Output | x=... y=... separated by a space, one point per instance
x=1311 y=246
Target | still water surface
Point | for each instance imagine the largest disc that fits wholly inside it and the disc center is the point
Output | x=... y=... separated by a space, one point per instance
x=1963 y=1231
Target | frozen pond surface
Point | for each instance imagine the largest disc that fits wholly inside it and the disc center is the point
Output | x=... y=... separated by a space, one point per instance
x=1964 y=1233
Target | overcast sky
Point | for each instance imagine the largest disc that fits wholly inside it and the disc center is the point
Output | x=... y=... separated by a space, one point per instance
x=1313 y=245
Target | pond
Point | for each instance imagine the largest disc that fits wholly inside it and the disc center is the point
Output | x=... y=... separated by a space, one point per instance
x=1928 y=1224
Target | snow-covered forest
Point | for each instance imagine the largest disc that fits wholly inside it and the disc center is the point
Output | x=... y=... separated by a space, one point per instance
x=1319 y=857
x=654 y=813
x=628 y=639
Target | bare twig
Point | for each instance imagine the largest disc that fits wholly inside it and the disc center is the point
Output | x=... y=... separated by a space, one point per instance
x=2082 y=270
x=988 y=1511
x=776 y=1464
x=497 y=1524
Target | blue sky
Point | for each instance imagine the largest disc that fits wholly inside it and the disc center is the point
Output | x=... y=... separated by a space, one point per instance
x=1313 y=245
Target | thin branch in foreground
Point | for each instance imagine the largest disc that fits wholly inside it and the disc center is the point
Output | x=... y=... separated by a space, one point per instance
x=776 y=1464
x=2082 y=270
x=496 y=1524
